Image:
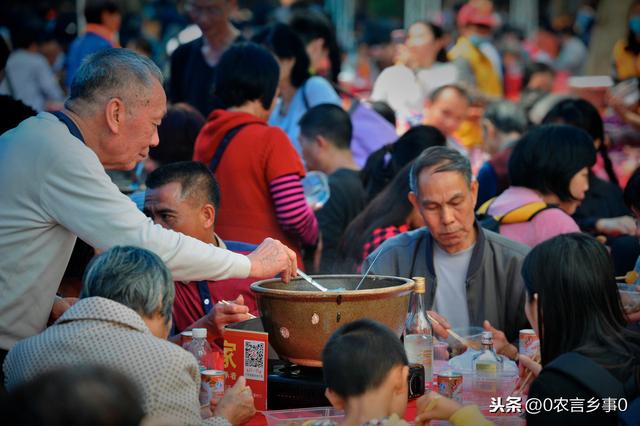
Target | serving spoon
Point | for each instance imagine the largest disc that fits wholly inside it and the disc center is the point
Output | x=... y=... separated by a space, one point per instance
x=311 y=281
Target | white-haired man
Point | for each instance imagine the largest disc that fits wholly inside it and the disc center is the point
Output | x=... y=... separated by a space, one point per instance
x=53 y=187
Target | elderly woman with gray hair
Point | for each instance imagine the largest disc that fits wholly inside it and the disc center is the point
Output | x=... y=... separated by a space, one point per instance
x=121 y=321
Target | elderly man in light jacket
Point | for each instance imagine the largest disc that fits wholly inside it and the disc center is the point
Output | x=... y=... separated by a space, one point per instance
x=121 y=322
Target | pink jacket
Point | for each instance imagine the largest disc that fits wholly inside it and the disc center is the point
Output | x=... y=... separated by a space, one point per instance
x=544 y=225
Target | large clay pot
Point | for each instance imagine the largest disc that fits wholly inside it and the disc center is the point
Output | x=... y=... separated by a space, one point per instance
x=300 y=318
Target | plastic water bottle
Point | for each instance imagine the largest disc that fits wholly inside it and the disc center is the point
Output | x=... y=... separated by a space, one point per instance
x=418 y=334
x=200 y=349
x=316 y=188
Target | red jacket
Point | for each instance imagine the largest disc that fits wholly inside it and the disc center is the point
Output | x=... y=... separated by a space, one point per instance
x=257 y=155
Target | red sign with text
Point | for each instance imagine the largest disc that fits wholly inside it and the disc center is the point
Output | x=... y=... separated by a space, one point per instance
x=245 y=354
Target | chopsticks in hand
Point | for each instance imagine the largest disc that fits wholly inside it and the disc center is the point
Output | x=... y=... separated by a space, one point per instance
x=226 y=302
x=467 y=343
x=523 y=384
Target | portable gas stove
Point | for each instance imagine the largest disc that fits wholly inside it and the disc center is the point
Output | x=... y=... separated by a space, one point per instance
x=294 y=386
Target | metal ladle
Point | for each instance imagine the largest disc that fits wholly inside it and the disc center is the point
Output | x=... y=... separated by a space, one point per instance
x=311 y=281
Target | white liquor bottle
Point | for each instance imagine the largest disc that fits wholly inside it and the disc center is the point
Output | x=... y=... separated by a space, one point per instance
x=487 y=366
x=418 y=334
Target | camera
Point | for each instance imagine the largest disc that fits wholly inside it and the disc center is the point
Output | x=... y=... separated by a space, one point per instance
x=415 y=380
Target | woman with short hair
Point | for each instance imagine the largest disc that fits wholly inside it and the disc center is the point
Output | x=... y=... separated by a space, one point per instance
x=258 y=170
x=549 y=165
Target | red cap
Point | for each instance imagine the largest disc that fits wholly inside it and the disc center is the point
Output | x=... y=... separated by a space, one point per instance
x=477 y=13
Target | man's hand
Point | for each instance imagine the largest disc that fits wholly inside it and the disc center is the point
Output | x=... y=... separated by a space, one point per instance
x=500 y=342
x=237 y=404
x=223 y=314
x=60 y=306
x=623 y=225
x=272 y=258
x=440 y=329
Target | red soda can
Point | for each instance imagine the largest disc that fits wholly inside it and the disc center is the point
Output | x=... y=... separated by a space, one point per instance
x=450 y=385
x=529 y=343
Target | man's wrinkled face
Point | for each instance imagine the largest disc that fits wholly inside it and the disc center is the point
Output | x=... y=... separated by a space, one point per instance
x=446 y=203
x=166 y=206
x=139 y=130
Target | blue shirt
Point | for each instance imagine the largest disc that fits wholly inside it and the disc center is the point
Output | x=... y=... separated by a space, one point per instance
x=314 y=91
x=82 y=47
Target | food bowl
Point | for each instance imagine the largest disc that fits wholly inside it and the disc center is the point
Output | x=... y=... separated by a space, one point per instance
x=471 y=334
x=630 y=297
x=300 y=319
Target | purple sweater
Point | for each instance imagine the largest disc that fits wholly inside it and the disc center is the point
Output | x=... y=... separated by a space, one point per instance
x=544 y=225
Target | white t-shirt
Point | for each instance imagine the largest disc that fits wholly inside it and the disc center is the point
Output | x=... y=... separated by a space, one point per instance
x=451 y=293
x=406 y=90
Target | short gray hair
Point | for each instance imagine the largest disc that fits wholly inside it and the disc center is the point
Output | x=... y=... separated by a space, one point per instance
x=110 y=73
x=507 y=117
x=133 y=276
x=440 y=159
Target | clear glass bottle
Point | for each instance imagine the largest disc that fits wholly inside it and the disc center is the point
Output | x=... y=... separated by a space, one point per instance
x=487 y=366
x=418 y=334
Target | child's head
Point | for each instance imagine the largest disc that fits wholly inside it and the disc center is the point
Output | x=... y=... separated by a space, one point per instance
x=364 y=357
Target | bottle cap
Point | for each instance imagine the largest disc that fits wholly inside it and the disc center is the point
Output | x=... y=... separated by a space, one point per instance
x=199 y=333
x=420 y=286
x=487 y=336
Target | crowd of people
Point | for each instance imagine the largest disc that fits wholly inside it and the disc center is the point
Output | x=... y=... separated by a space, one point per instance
x=140 y=201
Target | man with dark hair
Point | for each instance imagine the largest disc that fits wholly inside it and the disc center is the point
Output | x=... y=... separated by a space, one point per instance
x=472 y=274
x=103 y=23
x=538 y=76
x=325 y=137
x=445 y=110
x=184 y=197
x=193 y=65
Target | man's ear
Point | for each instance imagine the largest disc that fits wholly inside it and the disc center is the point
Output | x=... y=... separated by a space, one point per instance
x=208 y=213
x=401 y=375
x=321 y=141
x=114 y=114
x=336 y=400
x=474 y=191
x=413 y=199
